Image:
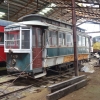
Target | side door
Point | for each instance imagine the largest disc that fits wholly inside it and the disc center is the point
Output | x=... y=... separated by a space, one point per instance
x=37 y=47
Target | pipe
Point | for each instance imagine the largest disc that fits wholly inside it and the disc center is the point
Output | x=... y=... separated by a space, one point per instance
x=74 y=38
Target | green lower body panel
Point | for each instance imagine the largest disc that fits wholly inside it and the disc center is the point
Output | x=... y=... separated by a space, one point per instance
x=65 y=51
x=19 y=61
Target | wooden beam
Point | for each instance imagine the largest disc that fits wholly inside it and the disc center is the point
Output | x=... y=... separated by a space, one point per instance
x=30 y=11
x=62 y=92
x=30 y=1
x=16 y=4
x=1 y=1
x=66 y=83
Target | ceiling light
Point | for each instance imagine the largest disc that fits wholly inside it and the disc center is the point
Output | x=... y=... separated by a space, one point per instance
x=52 y=5
x=41 y=13
x=47 y=9
x=87 y=5
x=2 y=14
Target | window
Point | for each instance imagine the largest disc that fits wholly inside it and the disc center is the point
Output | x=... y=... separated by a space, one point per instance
x=49 y=21
x=87 y=42
x=62 y=24
x=91 y=42
x=1 y=38
x=25 y=27
x=52 y=38
x=69 y=26
x=79 y=40
x=69 y=40
x=83 y=41
x=12 y=39
x=33 y=37
x=53 y=22
x=43 y=20
x=61 y=39
x=25 y=39
x=57 y=23
x=38 y=32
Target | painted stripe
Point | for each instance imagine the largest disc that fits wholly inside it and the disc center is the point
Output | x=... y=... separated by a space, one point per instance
x=59 y=60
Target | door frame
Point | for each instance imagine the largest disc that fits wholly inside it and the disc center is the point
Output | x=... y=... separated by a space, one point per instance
x=37 y=46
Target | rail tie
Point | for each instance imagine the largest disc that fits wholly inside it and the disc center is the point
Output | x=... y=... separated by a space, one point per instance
x=61 y=89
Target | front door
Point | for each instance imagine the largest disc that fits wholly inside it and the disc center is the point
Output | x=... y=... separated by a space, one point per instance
x=37 y=47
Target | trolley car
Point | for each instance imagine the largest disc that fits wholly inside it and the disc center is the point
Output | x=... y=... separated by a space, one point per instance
x=37 y=43
x=96 y=44
x=3 y=23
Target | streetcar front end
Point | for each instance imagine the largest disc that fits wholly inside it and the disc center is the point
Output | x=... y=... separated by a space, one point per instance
x=17 y=46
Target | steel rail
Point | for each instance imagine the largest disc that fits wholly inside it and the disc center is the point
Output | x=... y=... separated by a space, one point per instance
x=19 y=90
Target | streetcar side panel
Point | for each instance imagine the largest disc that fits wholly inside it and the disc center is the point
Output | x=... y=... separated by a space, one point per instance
x=18 y=62
x=62 y=51
x=2 y=54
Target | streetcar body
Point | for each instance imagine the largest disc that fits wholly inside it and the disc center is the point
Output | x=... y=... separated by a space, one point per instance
x=37 y=43
x=96 y=44
x=3 y=23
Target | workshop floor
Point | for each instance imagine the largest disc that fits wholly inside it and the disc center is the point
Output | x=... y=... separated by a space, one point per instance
x=89 y=92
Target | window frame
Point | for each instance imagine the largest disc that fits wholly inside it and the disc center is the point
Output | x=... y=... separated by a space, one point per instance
x=3 y=38
x=69 y=44
x=83 y=41
x=63 y=36
x=49 y=40
x=15 y=40
x=79 y=38
x=86 y=42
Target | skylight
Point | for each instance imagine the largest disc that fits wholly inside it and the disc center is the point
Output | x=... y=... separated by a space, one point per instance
x=2 y=14
x=87 y=5
x=47 y=9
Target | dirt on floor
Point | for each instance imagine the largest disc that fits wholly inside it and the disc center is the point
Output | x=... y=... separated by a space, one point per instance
x=90 y=92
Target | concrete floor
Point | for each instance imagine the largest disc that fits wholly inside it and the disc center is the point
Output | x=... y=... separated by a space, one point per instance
x=89 y=92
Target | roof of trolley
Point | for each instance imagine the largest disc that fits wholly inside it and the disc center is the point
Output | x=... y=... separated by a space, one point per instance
x=5 y=23
x=25 y=23
x=37 y=19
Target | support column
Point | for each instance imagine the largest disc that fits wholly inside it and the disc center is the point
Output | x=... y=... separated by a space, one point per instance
x=74 y=38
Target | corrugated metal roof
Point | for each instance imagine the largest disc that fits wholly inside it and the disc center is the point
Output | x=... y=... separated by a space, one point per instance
x=5 y=23
x=85 y=9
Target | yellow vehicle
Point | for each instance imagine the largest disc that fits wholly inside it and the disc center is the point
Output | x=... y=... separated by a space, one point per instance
x=96 y=44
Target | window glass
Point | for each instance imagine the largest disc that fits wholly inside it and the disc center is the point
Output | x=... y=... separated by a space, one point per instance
x=91 y=42
x=12 y=39
x=25 y=39
x=39 y=37
x=1 y=38
x=62 y=25
x=25 y=27
x=53 y=22
x=49 y=21
x=69 y=40
x=49 y=38
x=79 y=40
x=87 y=42
x=61 y=39
x=83 y=41
x=52 y=38
x=33 y=37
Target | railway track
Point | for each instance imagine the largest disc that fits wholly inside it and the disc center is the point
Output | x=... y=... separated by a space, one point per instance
x=9 y=90
x=17 y=89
